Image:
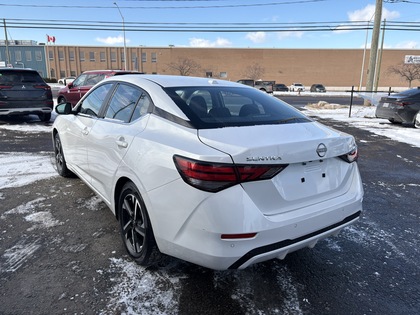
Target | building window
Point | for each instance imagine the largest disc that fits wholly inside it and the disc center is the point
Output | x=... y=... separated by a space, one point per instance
x=102 y=56
x=62 y=73
x=82 y=56
x=28 y=55
x=38 y=55
x=113 y=56
x=223 y=74
x=18 y=55
x=52 y=73
x=71 y=55
x=50 y=55
x=72 y=73
x=92 y=56
x=122 y=56
x=209 y=74
x=60 y=55
x=154 y=57
x=143 y=57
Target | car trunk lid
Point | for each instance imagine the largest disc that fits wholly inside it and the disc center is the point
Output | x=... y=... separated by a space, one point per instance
x=314 y=173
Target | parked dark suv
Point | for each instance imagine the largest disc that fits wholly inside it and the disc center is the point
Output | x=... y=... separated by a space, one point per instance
x=74 y=91
x=22 y=92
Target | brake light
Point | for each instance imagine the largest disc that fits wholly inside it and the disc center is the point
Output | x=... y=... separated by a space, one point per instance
x=3 y=87
x=41 y=86
x=214 y=177
x=352 y=156
x=405 y=103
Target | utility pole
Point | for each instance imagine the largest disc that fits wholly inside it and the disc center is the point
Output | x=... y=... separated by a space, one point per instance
x=378 y=64
x=7 y=44
x=374 y=46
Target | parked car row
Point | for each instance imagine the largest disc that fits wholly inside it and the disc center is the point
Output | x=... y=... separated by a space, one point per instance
x=299 y=87
x=265 y=86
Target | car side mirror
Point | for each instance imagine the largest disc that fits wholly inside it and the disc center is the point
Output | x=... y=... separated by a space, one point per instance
x=64 y=109
x=70 y=85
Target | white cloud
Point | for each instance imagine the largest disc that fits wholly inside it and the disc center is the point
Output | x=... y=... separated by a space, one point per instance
x=367 y=14
x=289 y=34
x=256 y=37
x=112 y=40
x=411 y=44
x=201 y=42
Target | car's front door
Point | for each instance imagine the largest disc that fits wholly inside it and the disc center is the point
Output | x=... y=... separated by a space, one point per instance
x=78 y=137
x=111 y=137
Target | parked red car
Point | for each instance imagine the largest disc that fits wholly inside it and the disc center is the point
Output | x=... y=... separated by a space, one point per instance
x=75 y=90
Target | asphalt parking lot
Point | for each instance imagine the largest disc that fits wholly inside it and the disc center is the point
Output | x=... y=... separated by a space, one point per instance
x=60 y=251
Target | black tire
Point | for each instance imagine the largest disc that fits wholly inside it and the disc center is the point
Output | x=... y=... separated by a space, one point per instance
x=135 y=227
x=60 y=161
x=392 y=121
x=45 y=117
x=61 y=100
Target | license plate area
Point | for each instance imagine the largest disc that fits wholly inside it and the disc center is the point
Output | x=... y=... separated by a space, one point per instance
x=307 y=179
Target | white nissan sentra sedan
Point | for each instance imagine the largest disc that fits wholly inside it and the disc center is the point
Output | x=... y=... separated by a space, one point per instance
x=212 y=172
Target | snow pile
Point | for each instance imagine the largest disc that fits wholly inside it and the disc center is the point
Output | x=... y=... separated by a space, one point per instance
x=363 y=117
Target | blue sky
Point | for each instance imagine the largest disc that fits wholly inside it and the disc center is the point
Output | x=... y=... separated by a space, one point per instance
x=257 y=14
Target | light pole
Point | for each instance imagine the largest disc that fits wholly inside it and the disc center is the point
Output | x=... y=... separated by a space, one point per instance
x=125 y=46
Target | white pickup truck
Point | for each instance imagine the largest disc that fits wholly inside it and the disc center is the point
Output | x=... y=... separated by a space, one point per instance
x=299 y=87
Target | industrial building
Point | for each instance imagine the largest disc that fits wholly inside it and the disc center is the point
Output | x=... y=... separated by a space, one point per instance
x=339 y=68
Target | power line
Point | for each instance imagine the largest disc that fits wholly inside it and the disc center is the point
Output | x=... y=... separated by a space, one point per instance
x=207 y=27
x=222 y=6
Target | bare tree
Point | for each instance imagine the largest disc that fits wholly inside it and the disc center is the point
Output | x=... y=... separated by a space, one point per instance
x=407 y=72
x=185 y=66
x=254 y=72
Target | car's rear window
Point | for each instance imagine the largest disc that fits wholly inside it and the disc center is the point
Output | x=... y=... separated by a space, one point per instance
x=213 y=107
x=19 y=77
x=409 y=92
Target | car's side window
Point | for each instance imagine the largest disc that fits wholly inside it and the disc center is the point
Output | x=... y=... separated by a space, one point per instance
x=80 y=80
x=123 y=102
x=142 y=107
x=93 y=102
x=92 y=79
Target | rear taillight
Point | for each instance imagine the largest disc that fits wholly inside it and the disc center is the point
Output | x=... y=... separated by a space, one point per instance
x=352 y=156
x=402 y=104
x=4 y=87
x=214 y=177
x=44 y=87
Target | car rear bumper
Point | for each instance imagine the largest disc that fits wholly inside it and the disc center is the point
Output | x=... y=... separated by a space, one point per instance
x=199 y=237
x=24 y=111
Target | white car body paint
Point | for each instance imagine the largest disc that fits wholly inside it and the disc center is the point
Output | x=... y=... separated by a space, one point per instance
x=312 y=198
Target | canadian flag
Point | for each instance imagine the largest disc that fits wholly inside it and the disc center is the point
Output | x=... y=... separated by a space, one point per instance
x=50 y=38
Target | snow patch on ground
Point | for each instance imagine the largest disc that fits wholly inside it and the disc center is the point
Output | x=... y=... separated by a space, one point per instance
x=137 y=291
x=16 y=256
x=27 y=128
x=363 y=117
x=19 y=169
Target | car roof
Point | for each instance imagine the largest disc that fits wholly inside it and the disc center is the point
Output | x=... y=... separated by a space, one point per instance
x=17 y=69
x=108 y=71
x=175 y=80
